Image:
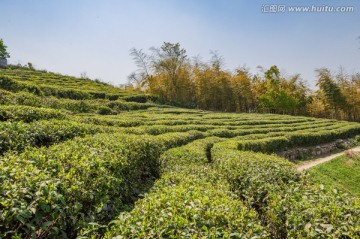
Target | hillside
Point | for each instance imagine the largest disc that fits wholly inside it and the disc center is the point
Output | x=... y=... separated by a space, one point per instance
x=83 y=158
x=44 y=80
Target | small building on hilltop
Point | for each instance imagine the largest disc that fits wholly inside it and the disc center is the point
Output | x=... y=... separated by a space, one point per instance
x=3 y=63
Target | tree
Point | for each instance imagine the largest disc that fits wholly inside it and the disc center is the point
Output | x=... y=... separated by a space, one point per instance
x=168 y=61
x=167 y=73
x=277 y=99
x=141 y=76
x=164 y=72
x=3 y=52
x=244 y=95
x=331 y=91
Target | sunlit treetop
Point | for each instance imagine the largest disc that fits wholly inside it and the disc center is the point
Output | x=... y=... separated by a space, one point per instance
x=3 y=52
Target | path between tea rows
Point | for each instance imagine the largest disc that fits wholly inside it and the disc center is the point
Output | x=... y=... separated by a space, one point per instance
x=324 y=159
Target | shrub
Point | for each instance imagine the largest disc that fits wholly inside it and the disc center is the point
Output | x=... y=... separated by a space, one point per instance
x=16 y=136
x=189 y=201
x=86 y=181
x=140 y=98
x=188 y=204
x=14 y=86
x=103 y=110
x=171 y=140
x=113 y=97
x=76 y=183
x=306 y=211
x=123 y=106
x=98 y=95
x=357 y=138
x=273 y=144
x=288 y=205
x=65 y=93
x=25 y=98
x=28 y=114
x=111 y=122
x=253 y=176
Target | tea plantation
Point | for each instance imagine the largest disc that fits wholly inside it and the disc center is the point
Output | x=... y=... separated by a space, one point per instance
x=84 y=159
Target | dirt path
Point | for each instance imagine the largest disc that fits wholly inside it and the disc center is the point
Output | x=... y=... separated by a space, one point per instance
x=323 y=160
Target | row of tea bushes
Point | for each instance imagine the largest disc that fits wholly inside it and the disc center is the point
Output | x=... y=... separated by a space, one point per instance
x=102 y=120
x=190 y=200
x=309 y=137
x=271 y=142
x=28 y=99
x=17 y=136
x=28 y=114
x=253 y=175
x=119 y=105
x=271 y=128
x=66 y=187
x=9 y=84
x=44 y=78
x=155 y=127
x=101 y=106
x=288 y=205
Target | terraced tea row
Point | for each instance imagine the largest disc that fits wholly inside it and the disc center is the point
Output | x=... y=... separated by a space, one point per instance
x=67 y=171
x=17 y=136
x=208 y=191
x=290 y=132
x=100 y=106
x=287 y=204
x=57 y=191
x=191 y=200
x=20 y=78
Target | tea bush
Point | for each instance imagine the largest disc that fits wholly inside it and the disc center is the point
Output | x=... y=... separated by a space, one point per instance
x=16 y=136
x=253 y=176
x=28 y=114
x=78 y=154
x=190 y=200
x=68 y=186
x=288 y=205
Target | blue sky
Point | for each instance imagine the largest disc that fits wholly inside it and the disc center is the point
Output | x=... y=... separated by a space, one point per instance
x=72 y=37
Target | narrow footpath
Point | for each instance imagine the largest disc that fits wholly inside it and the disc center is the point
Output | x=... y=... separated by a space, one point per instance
x=324 y=159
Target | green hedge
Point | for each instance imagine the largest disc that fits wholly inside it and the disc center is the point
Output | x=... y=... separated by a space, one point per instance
x=70 y=186
x=272 y=144
x=171 y=140
x=16 y=85
x=28 y=114
x=305 y=211
x=357 y=138
x=253 y=176
x=11 y=85
x=28 y=99
x=142 y=98
x=190 y=200
x=280 y=141
x=16 y=136
x=124 y=106
x=74 y=105
x=110 y=121
x=309 y=137
x=288 y=205
x=75 y=183
x=60 y=92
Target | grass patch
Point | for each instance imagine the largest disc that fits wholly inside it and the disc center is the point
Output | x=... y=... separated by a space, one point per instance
x=341 y=173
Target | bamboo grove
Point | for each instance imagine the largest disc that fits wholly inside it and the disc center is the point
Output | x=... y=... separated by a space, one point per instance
x=174 y=78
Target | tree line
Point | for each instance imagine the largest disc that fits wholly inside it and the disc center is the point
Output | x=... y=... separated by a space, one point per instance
x=168 y=73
